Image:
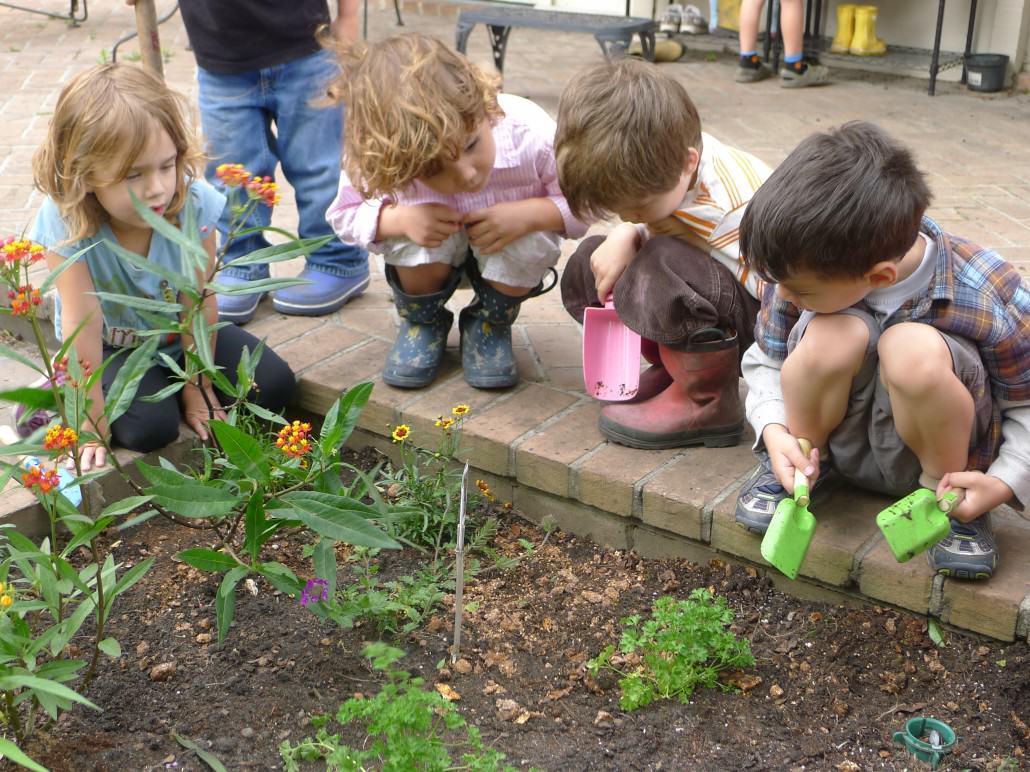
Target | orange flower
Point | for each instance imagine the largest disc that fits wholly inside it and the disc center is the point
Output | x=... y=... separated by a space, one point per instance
x=24 y=299
x=265 y=189
x=232 y=175
x=444 y=423
x=293 y=439
x=485 y=489
x=460 y=410
x=60 y=438
x=36 y=477
x=401 y=433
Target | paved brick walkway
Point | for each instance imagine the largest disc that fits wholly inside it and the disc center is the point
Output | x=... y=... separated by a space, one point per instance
x=538 y=444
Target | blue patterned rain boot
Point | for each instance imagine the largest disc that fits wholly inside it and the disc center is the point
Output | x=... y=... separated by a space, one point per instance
x=422 y=336
x=486 y=354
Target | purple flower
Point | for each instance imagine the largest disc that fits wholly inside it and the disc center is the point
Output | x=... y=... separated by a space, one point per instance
x=310 y=596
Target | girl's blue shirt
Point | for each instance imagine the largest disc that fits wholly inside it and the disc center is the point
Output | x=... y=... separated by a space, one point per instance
x=110 y=273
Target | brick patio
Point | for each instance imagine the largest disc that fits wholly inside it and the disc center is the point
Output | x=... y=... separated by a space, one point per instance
x=538 y=443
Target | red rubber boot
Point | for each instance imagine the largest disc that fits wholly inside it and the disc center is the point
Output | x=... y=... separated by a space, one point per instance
x=701 y=406
x=655 y=379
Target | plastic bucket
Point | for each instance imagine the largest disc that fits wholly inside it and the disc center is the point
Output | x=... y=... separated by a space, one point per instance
x=987 y=72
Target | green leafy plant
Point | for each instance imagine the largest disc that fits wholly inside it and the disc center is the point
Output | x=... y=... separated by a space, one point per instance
x=251 y=482
x=408 y=727
x=682 y=647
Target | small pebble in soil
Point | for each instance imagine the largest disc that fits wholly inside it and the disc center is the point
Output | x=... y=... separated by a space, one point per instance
x=162 y=672
x=247 y=732
x=224 y=744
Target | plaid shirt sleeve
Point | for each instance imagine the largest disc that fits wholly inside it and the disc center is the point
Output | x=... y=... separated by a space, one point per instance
x=775 y=320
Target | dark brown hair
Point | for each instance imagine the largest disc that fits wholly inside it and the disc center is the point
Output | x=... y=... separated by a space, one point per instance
x=842 y=201
x=624 y=129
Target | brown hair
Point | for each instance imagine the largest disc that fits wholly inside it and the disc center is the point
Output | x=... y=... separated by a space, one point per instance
x=624 y=129
x=412 y=104
x=105 y=115
x=842 y=201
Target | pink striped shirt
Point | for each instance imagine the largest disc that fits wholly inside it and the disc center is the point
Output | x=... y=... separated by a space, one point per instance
x=524 y=168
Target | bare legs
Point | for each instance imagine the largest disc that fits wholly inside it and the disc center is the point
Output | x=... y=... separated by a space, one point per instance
x=933 y=411
x=791 y=23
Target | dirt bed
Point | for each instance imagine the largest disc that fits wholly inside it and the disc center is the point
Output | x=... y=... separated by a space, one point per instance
x=829 y=688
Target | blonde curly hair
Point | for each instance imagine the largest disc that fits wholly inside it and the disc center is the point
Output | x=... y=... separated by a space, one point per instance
x=412 y=104
x=105 y=116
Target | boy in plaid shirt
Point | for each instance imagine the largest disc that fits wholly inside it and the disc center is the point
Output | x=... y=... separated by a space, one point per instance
x=901 y=352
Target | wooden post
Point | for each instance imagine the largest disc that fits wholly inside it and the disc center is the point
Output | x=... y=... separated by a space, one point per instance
x=149 y=42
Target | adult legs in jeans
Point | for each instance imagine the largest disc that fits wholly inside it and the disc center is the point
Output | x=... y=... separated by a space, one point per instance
x=238 y=112
x=147 y=426
x=702 y=319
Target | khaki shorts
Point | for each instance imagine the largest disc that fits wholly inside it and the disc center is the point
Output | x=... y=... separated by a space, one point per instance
x=865 y=448
x=523 y=263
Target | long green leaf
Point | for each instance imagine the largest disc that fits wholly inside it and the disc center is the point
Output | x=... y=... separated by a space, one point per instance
x=254 y=526
x=193 y=499
x=208 y=560
x=125 y=505
x=11 y=751
x=343 y=416
x=16 y=681
x=279 y=252
x=34 y=399
x=169 y=231
x=242 y=450
x=265 y=414
x=202 y=341
x=126 y=383
x=174 y=278
x=131 y=576
x=225 y=600
x=6 y=352
x=205 y=756
x=337 y=517
x=258 y=285
x=162 y=475
x=165 y=393
x=143 y=304
x=324 y=561
x=68 y=262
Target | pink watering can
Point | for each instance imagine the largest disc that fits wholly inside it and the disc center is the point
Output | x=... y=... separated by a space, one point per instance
x=611 y=355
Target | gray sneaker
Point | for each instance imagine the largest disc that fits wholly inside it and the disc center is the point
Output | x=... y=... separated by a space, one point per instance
x=752 y=72
x=814 y=75
x=968 y=552
x=762 y=493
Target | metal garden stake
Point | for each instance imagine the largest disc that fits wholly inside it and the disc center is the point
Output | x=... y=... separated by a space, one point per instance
x=459 y=566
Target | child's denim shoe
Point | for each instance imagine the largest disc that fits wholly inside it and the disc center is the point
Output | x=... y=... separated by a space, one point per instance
x=969 y=552
x=325 y=293
x=762 y=493
x=238 y=309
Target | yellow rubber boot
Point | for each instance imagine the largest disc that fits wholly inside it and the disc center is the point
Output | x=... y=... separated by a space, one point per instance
x=845 y=29
x=865 y=42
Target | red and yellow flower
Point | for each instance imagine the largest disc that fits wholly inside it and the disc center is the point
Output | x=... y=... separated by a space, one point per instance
x=401 y=432
x=45 y=480
x=484 y=488
x=21 y=251
x=24 y=299
x=460 y=410
x=293 y=439
x=60 y=438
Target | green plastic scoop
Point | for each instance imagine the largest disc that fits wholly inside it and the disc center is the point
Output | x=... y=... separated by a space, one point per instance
x=786 y=542
x=916 y=522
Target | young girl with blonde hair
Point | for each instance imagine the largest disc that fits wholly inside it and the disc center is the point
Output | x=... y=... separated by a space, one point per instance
x=443 y=175
x=118 y=131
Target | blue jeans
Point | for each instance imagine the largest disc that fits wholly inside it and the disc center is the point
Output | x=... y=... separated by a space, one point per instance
x=238 y=112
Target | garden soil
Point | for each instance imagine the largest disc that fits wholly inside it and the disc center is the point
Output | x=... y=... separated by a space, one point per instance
x=830 y=686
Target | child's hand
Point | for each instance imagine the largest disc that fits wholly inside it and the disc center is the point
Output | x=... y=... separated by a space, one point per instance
x=610 y=260
x=195 y=409
x=492 y=229
x=983 y=493
x=785 y=456
x=91 y=455
x=428 y=225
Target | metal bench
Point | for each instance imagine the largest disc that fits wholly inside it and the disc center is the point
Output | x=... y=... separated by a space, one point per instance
x=613 y=33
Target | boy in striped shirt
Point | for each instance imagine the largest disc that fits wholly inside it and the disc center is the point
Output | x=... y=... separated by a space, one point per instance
x=629 y=143
x=901 y=352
